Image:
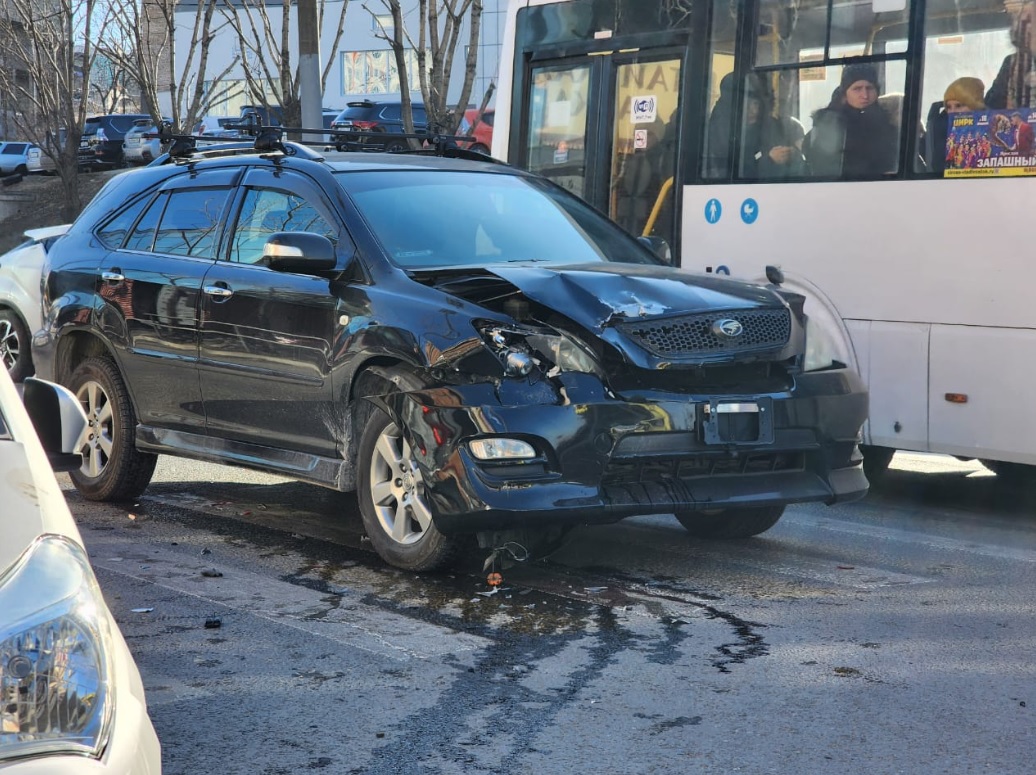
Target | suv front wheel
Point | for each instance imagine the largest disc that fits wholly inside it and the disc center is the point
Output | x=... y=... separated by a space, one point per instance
x=113 y=468
x=392 y=499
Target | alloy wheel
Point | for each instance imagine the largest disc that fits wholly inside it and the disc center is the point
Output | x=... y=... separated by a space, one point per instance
x=397 y=489
x=97 y=447
x=10 y=346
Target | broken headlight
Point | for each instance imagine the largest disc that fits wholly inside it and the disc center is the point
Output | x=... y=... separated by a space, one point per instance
x=55 y=646
x=521 y=350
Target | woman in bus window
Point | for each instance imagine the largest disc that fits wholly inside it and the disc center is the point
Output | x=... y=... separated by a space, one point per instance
x=1015 y=84
x=964 y=94
x=853 y=137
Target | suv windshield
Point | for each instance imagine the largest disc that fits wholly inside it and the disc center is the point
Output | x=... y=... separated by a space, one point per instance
x=432 y=220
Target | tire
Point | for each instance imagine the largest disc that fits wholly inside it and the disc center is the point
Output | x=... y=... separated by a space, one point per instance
x=743 y=522
x=14 y=345
x=397 y=146
x=391 y=497
x=113 y=468
x=876 y=462
x=1012 y=473
x=22 y=170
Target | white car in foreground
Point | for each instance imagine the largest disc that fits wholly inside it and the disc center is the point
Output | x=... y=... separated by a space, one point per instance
x=20 y=311
x=71 y=698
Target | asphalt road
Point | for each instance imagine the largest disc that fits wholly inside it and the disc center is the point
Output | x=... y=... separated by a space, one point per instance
x=895 y=635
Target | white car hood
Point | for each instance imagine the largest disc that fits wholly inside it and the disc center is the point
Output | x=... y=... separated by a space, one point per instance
x=31 y=506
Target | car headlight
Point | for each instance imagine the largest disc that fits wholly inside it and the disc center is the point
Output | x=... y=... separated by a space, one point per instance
x=55 y=651
x=521 y=350
x=823 y=348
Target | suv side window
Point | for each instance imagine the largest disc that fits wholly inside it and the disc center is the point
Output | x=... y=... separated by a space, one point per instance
x=190 y=223
x=392 y=112
x=265 y=211
x=419 y=116
x=143 y=235
x=115 y=230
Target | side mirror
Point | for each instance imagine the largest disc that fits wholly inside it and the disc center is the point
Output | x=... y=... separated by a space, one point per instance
x=299 y=251
x=59 y=420
x=658 y=246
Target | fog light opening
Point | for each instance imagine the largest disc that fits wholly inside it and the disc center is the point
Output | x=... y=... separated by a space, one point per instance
x=501 y=449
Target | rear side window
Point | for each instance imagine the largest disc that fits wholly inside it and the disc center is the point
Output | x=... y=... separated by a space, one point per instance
x=143 y=235
x=113 y=233
x=190 y=223
x=15 y=149
x=392 y=113
x=419 y=116
x=360 y=112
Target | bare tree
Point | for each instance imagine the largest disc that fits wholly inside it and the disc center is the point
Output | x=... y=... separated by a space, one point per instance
x=142 y=40
x=49 y=52
x=272 y=78
x=439 y=25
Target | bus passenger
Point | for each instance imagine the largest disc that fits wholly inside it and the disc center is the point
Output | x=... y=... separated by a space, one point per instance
x=964 y=94
x=853 y=137
x=1014 y=84
x=770 y=145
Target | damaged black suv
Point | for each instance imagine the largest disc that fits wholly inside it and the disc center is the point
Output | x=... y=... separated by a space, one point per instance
x=470 y=348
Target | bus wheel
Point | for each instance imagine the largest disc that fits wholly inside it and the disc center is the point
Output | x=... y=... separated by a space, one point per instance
x=876 y=462
x=742 y=522
x=1012 y=473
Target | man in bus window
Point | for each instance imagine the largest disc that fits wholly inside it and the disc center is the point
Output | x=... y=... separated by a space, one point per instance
x=770 y=144
x=853 y=137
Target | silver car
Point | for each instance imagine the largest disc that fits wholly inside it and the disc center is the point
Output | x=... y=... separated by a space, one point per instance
x=141 y=144
x=24 y=158
x=20 y=313
x=71 y=698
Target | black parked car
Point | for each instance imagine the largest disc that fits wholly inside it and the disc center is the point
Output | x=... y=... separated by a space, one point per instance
x=361 y=124
x=468 y=346
x=101 y=145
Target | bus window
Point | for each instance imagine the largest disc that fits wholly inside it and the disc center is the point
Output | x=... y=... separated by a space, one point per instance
x=824 y=100
x=978 y=56
x=792 y=32
x=557 y=125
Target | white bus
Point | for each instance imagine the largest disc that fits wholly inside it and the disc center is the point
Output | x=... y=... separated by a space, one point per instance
x=909 y=236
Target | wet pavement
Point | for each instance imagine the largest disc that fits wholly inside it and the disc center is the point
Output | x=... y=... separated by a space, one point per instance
x=893 y=635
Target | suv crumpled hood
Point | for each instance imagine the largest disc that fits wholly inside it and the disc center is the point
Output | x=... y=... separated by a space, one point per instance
x=597 y=295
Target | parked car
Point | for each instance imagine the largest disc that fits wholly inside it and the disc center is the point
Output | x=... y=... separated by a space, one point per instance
x=141 y=144
x=478 y=127
x=101 y=146
x=24 y=158
x=71 y=698
x=469 y=347
x=20 y=270
x=351 y=129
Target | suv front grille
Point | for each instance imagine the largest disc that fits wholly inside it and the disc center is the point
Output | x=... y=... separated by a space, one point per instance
x=689 y=335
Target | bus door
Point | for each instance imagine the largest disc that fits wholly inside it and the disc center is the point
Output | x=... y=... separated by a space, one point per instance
x=606 y=128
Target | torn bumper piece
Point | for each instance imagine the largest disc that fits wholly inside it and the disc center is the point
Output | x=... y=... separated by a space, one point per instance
x=602 y=460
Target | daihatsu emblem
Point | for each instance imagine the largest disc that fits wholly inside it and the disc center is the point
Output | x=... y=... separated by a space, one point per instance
x=727 y=328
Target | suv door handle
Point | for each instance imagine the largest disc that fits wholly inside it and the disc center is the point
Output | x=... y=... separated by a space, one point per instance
x=113 y=276
x=219 y=291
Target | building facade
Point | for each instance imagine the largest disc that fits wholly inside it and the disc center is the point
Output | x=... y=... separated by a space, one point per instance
x=362 y=63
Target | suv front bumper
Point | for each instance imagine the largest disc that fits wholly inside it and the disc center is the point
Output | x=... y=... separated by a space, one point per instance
x=600 y=460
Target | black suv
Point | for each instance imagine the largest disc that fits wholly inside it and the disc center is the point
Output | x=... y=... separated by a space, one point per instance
x=361 y=124
x=469 y=347
x=101 y=145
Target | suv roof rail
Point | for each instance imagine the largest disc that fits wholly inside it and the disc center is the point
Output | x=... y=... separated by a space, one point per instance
x=268 y=139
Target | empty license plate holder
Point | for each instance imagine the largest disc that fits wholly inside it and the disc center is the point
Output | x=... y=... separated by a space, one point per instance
x=727 y=421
